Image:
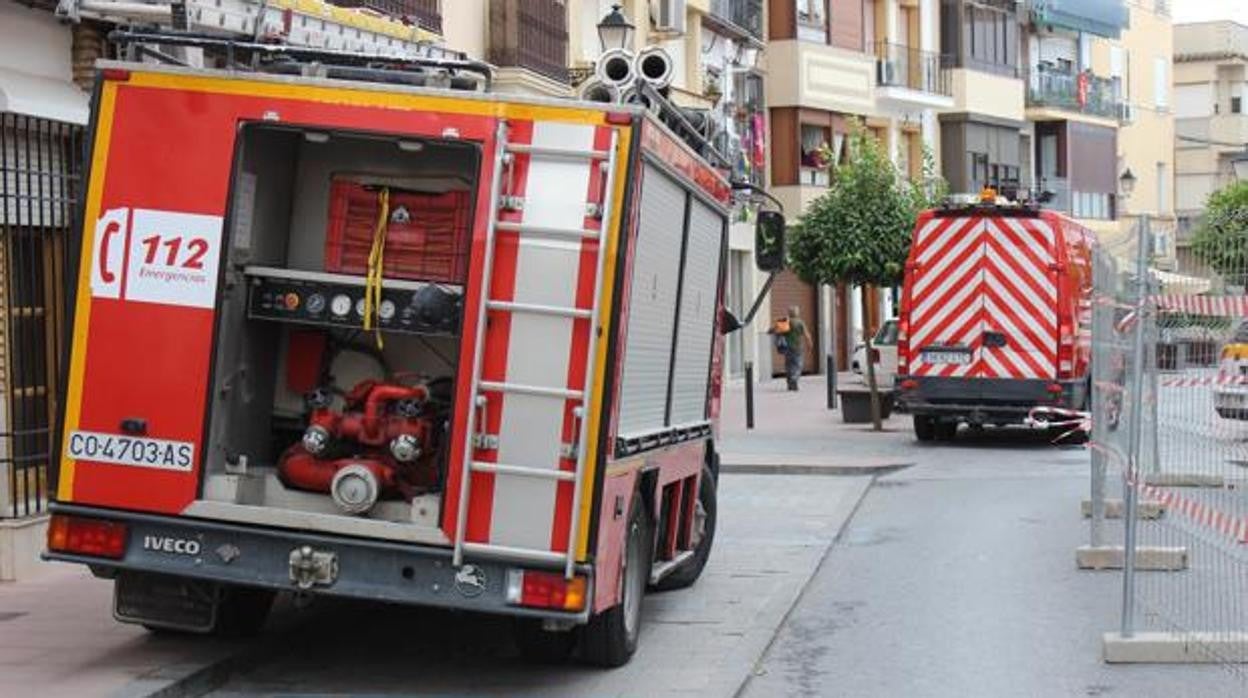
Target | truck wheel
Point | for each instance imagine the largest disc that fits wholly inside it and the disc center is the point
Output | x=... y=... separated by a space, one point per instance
x=610 y=638
x=542 y=646
x=703 y=536
x=924 y=428
x=243 y=611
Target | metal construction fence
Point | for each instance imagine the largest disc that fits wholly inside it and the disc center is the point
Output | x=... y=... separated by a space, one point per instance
x=1169 y=454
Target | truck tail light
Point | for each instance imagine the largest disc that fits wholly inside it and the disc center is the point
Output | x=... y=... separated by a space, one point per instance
x=545 y=590
x=909 y=384
x=83 y=536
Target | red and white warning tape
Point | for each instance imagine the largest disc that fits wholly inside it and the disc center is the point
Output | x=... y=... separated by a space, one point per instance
x=1190 y=382
x=1220 y=306
x=1233 y=527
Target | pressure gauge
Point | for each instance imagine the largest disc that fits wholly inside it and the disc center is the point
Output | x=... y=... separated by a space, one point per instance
x=341 y=305
x=386 y=310
x=316 y=304
x=359 y=307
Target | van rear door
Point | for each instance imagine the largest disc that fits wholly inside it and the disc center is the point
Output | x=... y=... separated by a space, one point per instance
x=983 y=299
x=946 y=302
x=1019 y=279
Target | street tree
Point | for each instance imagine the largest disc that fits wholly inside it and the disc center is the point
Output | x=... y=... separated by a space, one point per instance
x=858 y=232
x=1221 y=239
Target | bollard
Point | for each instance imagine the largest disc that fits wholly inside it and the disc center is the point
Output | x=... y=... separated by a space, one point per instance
x=831 y=367
x=749 y=395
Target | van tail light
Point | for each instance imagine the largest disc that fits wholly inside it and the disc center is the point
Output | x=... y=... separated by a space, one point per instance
x=1065 y=351
x=552 y=590
x=79 y=535
x=903 y=346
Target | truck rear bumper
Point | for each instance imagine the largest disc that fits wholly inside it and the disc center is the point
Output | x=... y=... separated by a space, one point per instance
x=985 y=400
x=259 y=557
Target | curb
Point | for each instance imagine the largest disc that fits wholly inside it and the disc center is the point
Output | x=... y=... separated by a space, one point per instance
x=795 y=466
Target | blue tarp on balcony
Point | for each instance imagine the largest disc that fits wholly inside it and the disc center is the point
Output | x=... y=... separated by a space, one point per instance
x=1105 y=18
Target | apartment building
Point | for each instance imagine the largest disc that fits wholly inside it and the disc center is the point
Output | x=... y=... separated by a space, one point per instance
x=1211 y=118
x=830 y=62
x=1059 y=97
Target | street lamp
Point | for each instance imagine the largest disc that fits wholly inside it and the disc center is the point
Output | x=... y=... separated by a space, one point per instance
x=1239 y=165
x=1126 y=183
x=615 y=31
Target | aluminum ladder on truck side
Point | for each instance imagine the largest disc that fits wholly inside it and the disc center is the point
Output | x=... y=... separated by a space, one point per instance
x=474 y=438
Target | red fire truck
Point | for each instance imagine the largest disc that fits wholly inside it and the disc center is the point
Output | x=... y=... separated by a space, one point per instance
x=995 y=316
x=339 y=335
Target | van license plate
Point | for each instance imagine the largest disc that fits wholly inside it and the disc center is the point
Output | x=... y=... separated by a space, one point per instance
x=938 y=356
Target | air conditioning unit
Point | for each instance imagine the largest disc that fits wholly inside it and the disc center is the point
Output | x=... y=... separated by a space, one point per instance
x=668 y=16
x=1126 y=113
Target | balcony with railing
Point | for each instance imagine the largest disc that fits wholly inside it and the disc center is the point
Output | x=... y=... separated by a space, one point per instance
x=531 y=35
x=911 y=76
x=427 y=14
x=1081 y=92
x=740 y=19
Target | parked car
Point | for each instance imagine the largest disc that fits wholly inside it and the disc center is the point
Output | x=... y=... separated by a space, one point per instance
x=884 y=345
x=1230 y=393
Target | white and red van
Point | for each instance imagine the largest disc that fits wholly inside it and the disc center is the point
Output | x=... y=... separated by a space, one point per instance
x=995 y=316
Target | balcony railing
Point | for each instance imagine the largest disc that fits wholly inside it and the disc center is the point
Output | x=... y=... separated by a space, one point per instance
x=1084 y=92
x=738 y=16
x=897 y=65
x=424 y=13
x=530 y=34
x=1080 y=204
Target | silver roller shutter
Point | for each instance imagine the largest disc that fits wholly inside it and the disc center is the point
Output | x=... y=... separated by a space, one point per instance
x=651 y=305
x=697 y=314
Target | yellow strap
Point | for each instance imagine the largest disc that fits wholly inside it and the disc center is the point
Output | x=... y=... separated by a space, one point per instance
x=376 y=259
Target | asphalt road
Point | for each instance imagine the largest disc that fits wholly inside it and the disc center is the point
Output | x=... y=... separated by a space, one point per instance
x=956 y=578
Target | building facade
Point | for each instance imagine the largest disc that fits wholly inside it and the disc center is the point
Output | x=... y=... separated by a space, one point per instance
x=1057 y=98
x=1211 y=119
x=831 y=63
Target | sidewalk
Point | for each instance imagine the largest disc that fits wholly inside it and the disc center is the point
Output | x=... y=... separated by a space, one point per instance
x=796 y=432
x=58 y=638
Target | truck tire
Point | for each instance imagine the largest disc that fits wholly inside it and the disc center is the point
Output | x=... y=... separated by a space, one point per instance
x=243 y=611
x=541 y=646
x=924 y=428
x=610 y=638
x=704 y=532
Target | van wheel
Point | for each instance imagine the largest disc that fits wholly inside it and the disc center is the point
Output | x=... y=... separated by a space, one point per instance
x=703 y=537
x=924 y=428
x=610 y=638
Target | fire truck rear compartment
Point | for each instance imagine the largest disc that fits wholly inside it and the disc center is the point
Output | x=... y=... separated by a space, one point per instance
x=316 y=422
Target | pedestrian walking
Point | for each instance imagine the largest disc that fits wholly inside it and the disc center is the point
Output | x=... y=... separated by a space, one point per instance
x=791 y=337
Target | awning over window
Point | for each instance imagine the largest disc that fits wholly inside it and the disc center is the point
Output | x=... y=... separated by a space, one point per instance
x=1105 y=18
x=48 y=98
x=1181 y=284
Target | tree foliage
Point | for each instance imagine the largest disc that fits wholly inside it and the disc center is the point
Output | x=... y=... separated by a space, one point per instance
x=859 y=230
x=1221 y=240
